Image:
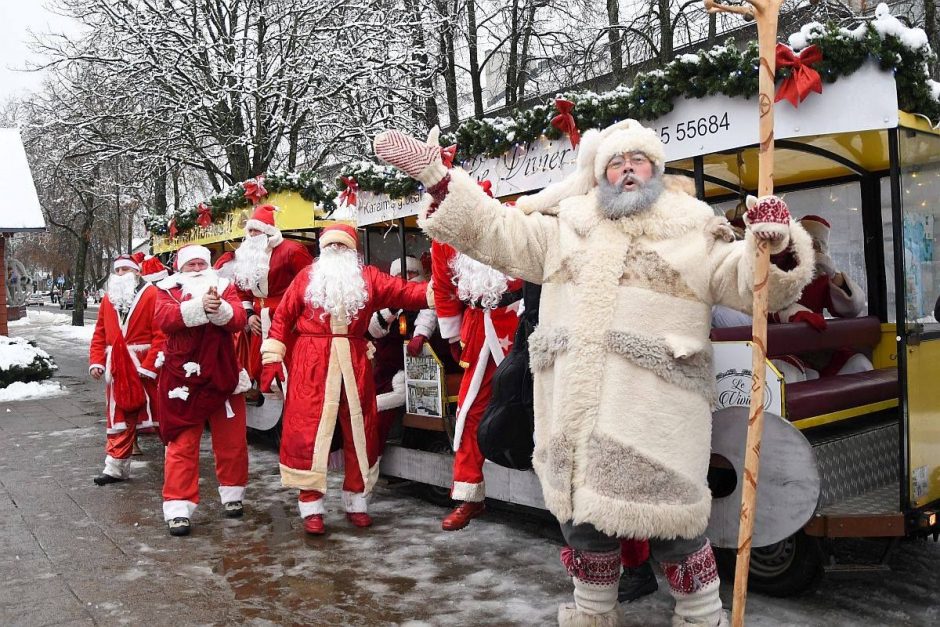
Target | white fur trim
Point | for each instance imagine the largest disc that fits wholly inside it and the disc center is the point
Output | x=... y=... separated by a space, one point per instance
x=425 y=323
x=117 y=468
x=193 y=251
x=355 y=502
x=223 y=315
x=412 y=265
x=337 y=236
x=193 y=313
x=267 y=229
x=181 y=392
x=627 y=136
x=395 y=398
x=309 y=508
x=158 y=362
x=376 y=329
x=178 y=509
x=192 y=368
x=117 y=427
x=272 y=351
x=450 y=326
x=93 y=366
x=157 y=276
x=231 y=493
x=126 y=263
x=844 y=305
x=150 y=374
x=468 y=492
x=244 y=382
x=578 y=183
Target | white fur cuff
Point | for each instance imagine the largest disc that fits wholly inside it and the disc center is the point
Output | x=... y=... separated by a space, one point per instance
x=355 y=502
x=147 y=373
x=468 y=492
x=193 y=313
x=93 y=366
x=231 y=493
x=309 y=508
x=178 y=509
x=223 y=315
x=450 y=326
x=272 y=351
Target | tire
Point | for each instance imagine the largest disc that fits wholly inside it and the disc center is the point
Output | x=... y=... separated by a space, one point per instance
x=788 y=568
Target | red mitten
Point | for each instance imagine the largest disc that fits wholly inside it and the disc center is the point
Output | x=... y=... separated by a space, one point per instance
x=767 y=216
x=416 y=344
x=811 y=318
x=456 y=351
x=421 y=161
x=269 y=374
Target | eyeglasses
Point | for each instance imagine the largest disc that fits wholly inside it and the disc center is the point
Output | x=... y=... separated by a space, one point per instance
x=636 y=159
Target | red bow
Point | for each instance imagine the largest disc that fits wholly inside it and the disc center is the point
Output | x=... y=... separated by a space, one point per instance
x=487 y=187
x=448 y=154
x=803 y=79
x=564 y=121
x=171 y=228
x=204 y=218
x=349 y=195
x=254 y=189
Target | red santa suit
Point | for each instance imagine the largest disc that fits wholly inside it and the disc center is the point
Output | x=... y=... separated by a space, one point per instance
x=486 y=334
x=330 y=380
x=277 y=268
x=139 y=341
x=201 y=381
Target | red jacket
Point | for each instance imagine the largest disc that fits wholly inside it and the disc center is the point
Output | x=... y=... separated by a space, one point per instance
x=138 y=329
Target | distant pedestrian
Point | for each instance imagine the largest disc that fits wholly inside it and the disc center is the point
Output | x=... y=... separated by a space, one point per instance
x=125 y=350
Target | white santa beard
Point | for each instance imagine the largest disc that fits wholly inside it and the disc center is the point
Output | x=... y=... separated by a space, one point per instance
x=197 y=284
x=122 y=289
x=477 y=282
x=251 y=263
x=336 y=284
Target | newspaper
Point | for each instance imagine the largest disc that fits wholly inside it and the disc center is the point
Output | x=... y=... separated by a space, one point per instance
x=424 y=393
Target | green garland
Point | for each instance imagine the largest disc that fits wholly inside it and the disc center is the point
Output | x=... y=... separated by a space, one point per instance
x=722 y=70
x=307 y=184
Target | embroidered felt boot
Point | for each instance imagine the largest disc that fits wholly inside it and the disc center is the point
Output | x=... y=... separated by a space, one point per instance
x=595 y=578
x=693 y=583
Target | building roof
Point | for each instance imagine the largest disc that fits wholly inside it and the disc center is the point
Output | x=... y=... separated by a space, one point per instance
x=20 y=209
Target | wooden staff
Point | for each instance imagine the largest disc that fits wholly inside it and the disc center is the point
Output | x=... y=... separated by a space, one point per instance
x=765 y=12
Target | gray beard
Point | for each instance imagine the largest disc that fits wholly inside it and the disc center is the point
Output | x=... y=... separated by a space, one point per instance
x=615 y=203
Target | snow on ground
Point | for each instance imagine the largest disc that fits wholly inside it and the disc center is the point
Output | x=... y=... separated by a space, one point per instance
x=17 y=351
x=53 y=329
x=40 y=317
x=19 y=391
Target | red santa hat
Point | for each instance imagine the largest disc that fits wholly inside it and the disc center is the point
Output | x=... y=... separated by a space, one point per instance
x=412 y=264
x=152 y=269
x=818 y=228
x=192 y=251
x=595 y=151
x=263 y=220
x=127 y=261
x=339 y=233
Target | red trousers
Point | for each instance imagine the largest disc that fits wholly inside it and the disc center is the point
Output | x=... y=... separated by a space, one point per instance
x=118 y=448
x=468 y=460
x=181 y=468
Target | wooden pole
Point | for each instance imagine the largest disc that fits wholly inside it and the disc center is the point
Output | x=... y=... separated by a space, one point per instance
x=765 y=12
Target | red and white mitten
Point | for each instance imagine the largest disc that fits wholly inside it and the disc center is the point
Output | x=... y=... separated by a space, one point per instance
x=768 y=218
x=420 y=161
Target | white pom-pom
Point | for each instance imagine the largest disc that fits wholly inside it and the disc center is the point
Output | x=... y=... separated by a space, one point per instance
x=192 y=368
x=181 y=393
x=160 y=359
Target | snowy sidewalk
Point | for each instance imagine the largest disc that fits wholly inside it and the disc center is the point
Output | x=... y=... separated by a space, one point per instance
x=72 y=553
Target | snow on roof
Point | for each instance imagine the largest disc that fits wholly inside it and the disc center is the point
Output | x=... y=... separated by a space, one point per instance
x=20 y=210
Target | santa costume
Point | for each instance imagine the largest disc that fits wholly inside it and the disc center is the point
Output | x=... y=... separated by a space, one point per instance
x=479 y=307
x=327 y=310
x=126 y=346
x=264 y=265
x=201 y=381
x=390 y=331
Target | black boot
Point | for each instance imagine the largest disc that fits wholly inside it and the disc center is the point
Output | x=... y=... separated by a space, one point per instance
x=106 y=479
x=636 y=583
x=178 y=526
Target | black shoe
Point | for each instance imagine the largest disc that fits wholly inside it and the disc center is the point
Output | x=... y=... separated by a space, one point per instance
x=233 y=509
x=178 y=526
x=106 y=479
x=636 y=583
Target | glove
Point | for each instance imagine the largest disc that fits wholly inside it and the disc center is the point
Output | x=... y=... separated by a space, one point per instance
x=269 y=374
x=456 y=351
x=421 y=161
x=824 y=265
x=416 y=344
x=811 y=318
x=768 y=218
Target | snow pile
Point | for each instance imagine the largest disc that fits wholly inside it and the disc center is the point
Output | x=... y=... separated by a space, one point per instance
x=20 y=391
x=22 y=361
x=40 y=317
x=886 y=24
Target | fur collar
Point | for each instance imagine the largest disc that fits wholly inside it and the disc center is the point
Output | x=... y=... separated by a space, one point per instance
x=275 y=240
x=674 y=214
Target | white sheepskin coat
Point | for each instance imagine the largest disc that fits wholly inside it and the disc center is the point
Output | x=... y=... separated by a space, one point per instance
x=621 y=357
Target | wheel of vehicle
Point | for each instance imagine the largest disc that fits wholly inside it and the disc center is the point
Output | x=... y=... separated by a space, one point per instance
x=784 y=569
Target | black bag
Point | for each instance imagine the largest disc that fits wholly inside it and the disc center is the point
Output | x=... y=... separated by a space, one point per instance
x=505 y=431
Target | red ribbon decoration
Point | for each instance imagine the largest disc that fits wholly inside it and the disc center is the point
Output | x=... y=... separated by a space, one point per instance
x=254 y=190
x=204 y=218
x=487 y=186
x=564 y=121
x=803 y=79
x=349 y=196
x=171 y=228
x=448 y=154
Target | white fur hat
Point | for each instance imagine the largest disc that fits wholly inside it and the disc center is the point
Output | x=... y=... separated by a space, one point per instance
x=190 y=252
x=412 y=264
x=594 y=152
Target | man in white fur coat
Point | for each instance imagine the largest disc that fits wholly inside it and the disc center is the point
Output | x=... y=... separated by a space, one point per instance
x=630 y=268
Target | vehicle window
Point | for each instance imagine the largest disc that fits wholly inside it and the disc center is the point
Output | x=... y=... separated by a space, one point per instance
x=920 y=200
x=386 y=245
x=888 y=236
